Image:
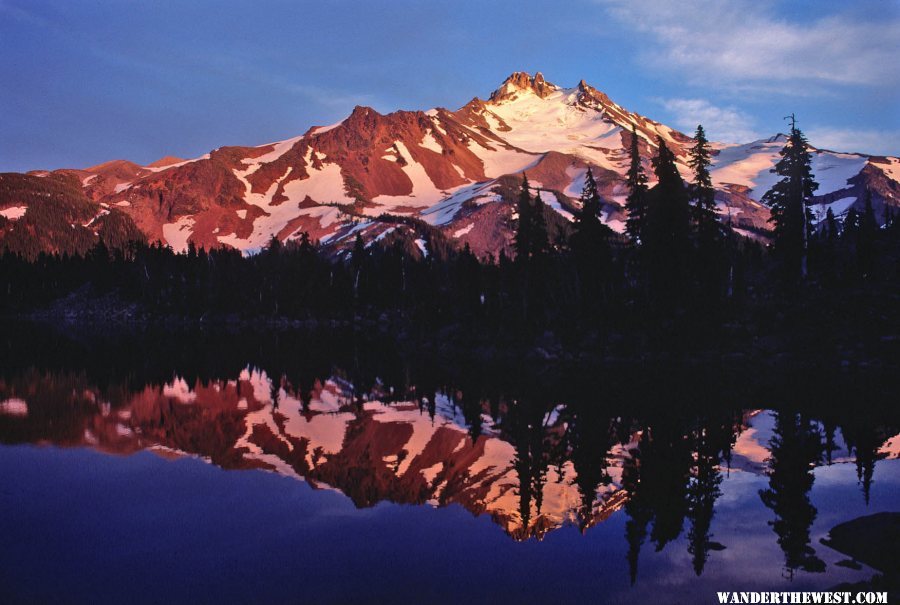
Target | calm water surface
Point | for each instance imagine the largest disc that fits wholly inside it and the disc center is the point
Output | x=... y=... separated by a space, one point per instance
x=294 y=468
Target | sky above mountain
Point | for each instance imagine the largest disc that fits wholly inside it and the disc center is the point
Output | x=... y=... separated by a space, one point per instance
x=84 y=82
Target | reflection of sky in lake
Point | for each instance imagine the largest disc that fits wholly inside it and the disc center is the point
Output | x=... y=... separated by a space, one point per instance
x=81 y=526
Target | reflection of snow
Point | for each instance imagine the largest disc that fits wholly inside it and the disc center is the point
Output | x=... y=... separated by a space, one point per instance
x=14 y=407
x=179 y=389
x=751 y=450
x=891 y=447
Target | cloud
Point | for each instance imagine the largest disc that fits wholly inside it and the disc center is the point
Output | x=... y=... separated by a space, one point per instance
x=723 y=124
x=875 y=142
x=745 y=44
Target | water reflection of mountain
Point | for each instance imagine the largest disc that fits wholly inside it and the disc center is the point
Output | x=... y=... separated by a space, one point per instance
x=532 y=465
x=534 y=447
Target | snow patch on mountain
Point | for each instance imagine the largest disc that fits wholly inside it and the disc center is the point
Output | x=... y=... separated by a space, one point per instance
x=549 y=198
x=177 y=234
x=891 y=169
x=499 y=160
x=832 y=170
x=279 y=149
x=424 y=193
x=748 y=165
x=430 y=143
x=14 y=213
x=445 y=211
x=838 y=207
x=461 y=232
x=324 y=186
x=751 y=165
x=557 y=122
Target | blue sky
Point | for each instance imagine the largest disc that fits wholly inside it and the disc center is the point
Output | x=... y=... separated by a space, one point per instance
x=88 y=81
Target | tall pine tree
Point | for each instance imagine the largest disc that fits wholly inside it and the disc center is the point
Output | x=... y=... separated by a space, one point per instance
x=788 y=199
x=523 y=228
x=531 y=239
x=540 y=236
x=666 y=232
x=702 y=192
x=589 y=242
x=589 y=236
x=709 y=261
x=865 y=237
x=636 y=203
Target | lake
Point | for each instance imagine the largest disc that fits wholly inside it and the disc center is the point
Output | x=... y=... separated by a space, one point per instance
x=289 y=467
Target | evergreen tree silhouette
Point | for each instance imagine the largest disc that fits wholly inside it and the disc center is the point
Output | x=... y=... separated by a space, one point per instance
x=666 y=233
x=589 y=244
x=788 y=200
x=540 y=238
x=702 y=191
x=709 y=232
x=524 y=236
x=832 y=232
x=865 y=237
x=636 y=202
x=795 y=448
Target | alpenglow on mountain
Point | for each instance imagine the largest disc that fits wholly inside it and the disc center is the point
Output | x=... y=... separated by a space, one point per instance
x=422 y=172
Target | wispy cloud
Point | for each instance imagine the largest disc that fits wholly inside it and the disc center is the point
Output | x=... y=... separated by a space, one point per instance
x=724 y=124
x=876 y=142
x=745 y=44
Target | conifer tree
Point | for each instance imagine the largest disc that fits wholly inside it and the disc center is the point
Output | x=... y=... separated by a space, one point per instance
x=787 y=200
x=589 y=237
x=666 y=232
x=831 y=227
x=635 y=204
x=540 y=237
x=710 y=260
x=531 y=239
x=703 y=193
x=357 y=258
x=523 y=229
x=851 y=224
x=589 y=241
x=865 y=240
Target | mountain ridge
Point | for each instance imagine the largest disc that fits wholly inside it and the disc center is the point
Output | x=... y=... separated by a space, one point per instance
x=449 y=169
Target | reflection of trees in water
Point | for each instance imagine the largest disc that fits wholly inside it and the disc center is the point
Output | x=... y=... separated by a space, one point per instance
x=713 y=440
x=864 y=436
x=589 y=437
x=523 y=424
x=796 y=448
x=672 y=476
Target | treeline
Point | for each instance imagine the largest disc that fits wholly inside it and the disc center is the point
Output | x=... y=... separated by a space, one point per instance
x=60 y=218
x=676 y=260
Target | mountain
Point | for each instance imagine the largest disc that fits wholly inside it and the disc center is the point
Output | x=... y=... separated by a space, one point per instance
x=454 y=171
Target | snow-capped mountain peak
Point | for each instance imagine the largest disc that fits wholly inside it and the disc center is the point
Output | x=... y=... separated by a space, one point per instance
x=452 y=169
